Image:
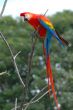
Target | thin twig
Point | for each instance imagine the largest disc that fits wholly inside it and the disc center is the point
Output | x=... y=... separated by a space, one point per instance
x=37 y=100
x=3 y=73
x=41 y=96
x=13 y=58
x=3 y=8
x=17 y=54
x=34 y=100
x=45 y=12
x=16 y=104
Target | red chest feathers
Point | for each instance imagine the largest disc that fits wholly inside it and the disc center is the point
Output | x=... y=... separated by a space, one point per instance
x=35 y=23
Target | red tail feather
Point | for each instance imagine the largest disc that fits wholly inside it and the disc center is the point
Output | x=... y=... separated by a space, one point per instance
x=49 y=73
x=50 y=76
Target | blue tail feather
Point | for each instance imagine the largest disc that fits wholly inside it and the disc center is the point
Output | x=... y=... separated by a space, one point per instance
x=47 y=43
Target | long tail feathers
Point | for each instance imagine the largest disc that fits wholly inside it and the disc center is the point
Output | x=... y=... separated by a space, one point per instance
x=65 y=42
x=50 y=76
x=49 y=85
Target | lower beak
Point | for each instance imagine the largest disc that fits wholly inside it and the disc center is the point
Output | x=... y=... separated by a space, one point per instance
x=25 y=19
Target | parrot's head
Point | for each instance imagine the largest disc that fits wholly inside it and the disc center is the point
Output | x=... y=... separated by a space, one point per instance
x=26 y=15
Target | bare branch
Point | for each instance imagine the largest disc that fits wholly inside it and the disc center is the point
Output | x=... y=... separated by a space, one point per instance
x=13 y=58
x=37 y=100
x=33 y=101
x=3 y=8
x=31 y=55
x=17 y=54
x=3 y=73
x=16 y=104
x=45 y=12
x=41 y=96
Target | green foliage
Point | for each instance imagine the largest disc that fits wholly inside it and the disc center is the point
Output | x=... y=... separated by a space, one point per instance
x=63 y=21
x=18 y=35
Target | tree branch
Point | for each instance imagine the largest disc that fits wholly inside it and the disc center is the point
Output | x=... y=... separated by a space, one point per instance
x=13 y=58
x=3 y=8
x=31 y=101
x=38 y=99
x=16 y=104
x=31 y=55
x=3 y=73
x=34 y=100
x=17 y=54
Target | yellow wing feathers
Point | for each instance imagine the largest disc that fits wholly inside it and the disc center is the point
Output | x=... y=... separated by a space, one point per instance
x=50 y=24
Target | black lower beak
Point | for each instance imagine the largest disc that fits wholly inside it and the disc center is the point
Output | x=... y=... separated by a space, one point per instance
x=25 y=19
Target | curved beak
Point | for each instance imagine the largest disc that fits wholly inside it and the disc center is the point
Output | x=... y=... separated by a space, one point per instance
x=22 y=14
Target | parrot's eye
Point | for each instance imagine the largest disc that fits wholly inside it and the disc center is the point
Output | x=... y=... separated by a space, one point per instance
x=27 y=17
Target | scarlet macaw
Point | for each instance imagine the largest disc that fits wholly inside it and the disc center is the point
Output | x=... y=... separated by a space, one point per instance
x=46 y=30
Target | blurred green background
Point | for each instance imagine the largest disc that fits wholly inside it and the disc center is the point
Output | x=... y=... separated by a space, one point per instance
x=18 y=34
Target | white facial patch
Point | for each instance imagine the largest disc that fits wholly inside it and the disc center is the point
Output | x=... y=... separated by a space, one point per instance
x=27 y=16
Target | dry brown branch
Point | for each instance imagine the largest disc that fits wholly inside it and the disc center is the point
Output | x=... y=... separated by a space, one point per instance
x=13 y=58
x=31 y=55
x=3 y=8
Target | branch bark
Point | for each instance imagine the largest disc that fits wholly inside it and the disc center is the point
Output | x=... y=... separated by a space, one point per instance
x=3 y=73
x=16 y=104
x=13 y=58
x=34 y=100
x=3 y=8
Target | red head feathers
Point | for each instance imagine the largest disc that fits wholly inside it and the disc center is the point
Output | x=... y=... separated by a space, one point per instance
x=33 y=20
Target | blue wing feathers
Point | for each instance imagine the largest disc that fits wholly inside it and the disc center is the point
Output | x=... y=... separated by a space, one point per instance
x=51 y=31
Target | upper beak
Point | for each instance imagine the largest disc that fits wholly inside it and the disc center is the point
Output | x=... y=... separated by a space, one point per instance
x=21 y=14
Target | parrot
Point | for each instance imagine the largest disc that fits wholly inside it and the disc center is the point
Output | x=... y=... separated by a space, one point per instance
x=46 y=31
